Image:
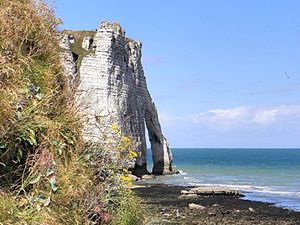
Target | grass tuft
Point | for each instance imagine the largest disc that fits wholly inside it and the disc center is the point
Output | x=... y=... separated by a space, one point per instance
x=48 y=175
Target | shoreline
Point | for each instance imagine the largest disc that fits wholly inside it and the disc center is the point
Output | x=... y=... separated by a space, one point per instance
x=164 y=204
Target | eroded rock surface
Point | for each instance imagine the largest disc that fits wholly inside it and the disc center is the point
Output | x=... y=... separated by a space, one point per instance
x=112 y=85
x=210 y=191
x=87 y=42
x=67 y=57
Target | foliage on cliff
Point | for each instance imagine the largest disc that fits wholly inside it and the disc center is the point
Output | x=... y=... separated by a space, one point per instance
x=47 y=174
x=76 y=47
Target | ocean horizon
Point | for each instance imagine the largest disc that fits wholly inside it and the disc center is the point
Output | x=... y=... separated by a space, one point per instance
x=262 y=174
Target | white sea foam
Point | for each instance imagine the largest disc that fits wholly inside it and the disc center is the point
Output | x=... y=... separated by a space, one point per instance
x=181 y=172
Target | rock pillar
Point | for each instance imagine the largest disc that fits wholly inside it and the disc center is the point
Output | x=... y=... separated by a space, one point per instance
x=112 y=83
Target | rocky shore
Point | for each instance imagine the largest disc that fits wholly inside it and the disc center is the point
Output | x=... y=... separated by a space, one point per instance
x=186 y=205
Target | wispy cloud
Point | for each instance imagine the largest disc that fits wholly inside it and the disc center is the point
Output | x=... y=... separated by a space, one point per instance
x=231 y=118
x=245 y=115
x=224 y=118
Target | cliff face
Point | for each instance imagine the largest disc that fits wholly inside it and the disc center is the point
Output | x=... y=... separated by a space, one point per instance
x=67 y=58
x=112 y=84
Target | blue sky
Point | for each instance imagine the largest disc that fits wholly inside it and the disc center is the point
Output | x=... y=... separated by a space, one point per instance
x=222 y=73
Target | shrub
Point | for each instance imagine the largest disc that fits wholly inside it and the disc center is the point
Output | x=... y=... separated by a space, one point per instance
x=47 y=174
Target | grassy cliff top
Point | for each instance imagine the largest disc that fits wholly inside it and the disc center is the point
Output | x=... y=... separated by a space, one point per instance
x=76 y=48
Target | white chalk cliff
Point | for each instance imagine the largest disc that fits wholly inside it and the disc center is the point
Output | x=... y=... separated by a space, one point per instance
x=112 y=83
x=67 y=58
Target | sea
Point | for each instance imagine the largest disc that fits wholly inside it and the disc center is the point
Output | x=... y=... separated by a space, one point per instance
x=266 y=175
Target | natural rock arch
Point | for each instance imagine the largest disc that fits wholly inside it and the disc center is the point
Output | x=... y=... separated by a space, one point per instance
x=112 y=82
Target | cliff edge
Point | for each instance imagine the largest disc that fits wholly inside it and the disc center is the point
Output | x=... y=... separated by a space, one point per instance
x=112 y=85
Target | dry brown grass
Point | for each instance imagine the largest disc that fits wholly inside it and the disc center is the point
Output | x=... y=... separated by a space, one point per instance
x=47 y=174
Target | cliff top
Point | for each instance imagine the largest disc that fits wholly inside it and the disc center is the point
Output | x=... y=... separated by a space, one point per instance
x=76 y=46
x=76 y=38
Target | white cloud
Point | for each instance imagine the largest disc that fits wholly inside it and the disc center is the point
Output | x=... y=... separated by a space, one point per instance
x=265 y=116
x=276 y=114
x=227 y=119
x=244 y=126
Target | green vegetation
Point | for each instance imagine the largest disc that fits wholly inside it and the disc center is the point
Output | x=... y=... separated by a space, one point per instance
x=48 y=175
x=76 y=47
x=128 y=211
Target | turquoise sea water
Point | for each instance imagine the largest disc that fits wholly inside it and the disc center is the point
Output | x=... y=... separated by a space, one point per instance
x=268 y=175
